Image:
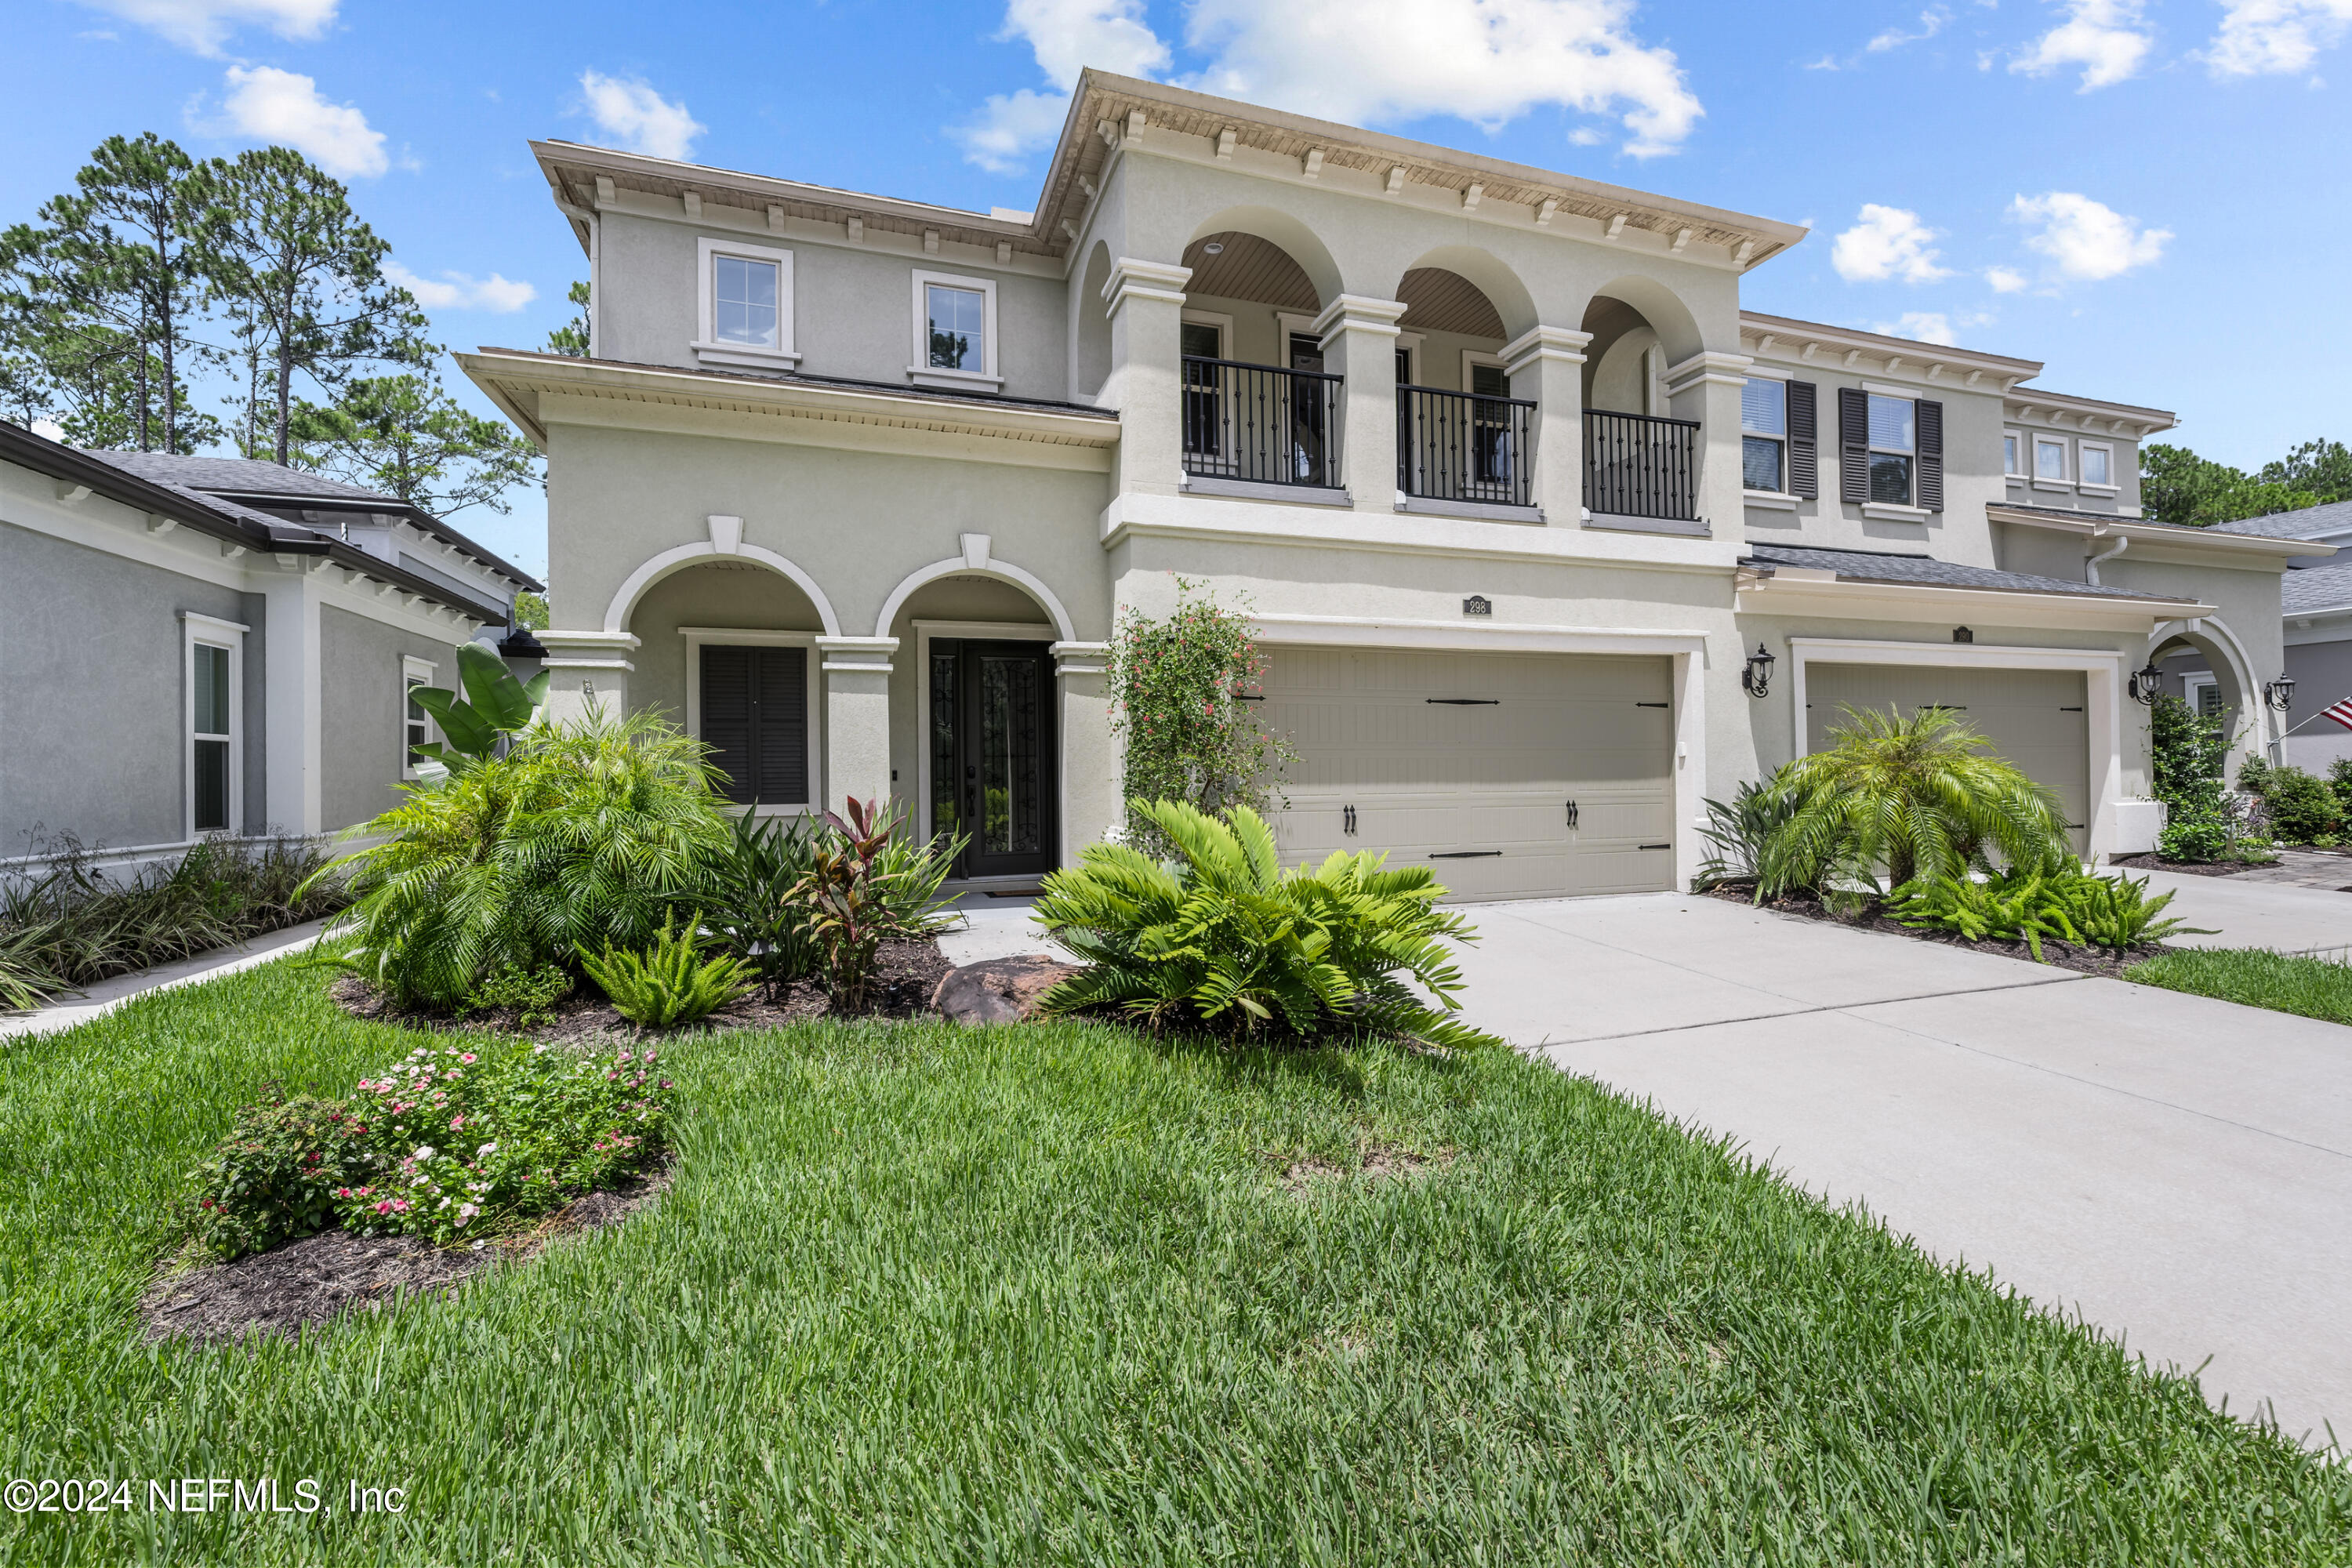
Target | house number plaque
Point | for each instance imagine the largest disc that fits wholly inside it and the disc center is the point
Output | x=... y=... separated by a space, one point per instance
x=1477 y=605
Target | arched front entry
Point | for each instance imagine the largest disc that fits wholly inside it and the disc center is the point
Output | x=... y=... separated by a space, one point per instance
x=2236 y=690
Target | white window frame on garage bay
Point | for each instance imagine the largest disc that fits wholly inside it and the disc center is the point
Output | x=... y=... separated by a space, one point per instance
x=2102 y=671
x=814 y=747
x=209 y=631
x=919 y=368
x=414 y=672
x=707 y=347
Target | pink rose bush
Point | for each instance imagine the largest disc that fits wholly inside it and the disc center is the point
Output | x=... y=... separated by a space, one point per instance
x=446 y=1144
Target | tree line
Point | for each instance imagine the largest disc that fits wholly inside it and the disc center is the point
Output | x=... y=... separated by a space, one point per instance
x=159 y=276
x=2175 y=485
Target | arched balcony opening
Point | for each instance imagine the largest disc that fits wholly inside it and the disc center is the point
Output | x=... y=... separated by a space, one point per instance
x=1461 y=435
x=1641 y=460
x=1258 y=404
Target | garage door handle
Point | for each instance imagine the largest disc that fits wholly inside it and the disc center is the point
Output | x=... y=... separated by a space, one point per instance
x=1348 y=819
x=1571 y=813
x=1653 y=846
x=1463 y=853
x=1464 y=701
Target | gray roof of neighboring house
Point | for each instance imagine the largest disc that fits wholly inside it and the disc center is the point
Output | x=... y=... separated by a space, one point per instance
x=2311 y=522
x=250 y=479
x=1925 y=570
x=2314 y=588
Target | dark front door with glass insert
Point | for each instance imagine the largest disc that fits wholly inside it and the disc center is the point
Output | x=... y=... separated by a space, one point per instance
x=992 y=739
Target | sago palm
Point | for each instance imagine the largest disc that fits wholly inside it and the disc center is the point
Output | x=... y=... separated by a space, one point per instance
x=1921 y=796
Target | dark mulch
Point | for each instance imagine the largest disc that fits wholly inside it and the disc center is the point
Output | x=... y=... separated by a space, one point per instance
x=906 y=974
x=2102 y=961
x=303 y=1285
x=2152 y=862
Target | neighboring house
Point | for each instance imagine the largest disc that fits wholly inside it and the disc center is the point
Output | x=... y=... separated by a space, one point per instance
x=2315 y=604
x=857 y=487
x=197 y=646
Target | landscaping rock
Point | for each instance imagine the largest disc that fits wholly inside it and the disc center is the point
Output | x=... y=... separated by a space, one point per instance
x=999 y=991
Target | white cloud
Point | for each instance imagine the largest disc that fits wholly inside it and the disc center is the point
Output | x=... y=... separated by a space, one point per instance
x=2005 y=280
x=455 y=291
x=2274 y=37
x=272 y=105
x=641 y=119
x=1487 y=62
x=1931 y=22
x=2103 y=37
x=2087 y=241
x=1920 y=326
x=1888 y=242
x=205 y=24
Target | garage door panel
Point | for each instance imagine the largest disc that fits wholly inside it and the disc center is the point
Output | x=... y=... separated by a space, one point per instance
x=1466 y=762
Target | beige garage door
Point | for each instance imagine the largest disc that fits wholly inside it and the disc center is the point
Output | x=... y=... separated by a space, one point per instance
x=1514 y=776
x=2033 y=717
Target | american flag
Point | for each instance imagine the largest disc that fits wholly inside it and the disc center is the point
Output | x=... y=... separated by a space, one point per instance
x=2341 y=712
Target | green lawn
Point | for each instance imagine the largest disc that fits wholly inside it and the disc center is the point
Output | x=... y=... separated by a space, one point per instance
x=929 y=1296
x=2284 y=982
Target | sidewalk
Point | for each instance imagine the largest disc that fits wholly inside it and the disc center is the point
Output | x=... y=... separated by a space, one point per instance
x=108 y=995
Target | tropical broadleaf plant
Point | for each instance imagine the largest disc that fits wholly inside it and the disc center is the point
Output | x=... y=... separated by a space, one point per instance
x=1916 y=797
x=494 y=705
x=1221 y=938
x=581 y=835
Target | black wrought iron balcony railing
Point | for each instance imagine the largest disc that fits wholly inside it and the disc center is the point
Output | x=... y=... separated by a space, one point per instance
x=1637 y=465
x=1261 y=423
x=1457 y=446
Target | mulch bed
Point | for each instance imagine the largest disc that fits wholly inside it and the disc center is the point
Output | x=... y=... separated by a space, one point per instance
x=906 y=974
x=2152 y=862
x=2102 y=961
x=304 y=1285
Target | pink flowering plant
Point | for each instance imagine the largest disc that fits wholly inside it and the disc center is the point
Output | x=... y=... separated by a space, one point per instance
x=450 y=1142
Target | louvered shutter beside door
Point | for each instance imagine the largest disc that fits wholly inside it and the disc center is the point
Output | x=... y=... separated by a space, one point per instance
x=1931 y=455
x=727 y=717
x=780 y=733
x=1804 y=442
x=1853 y=445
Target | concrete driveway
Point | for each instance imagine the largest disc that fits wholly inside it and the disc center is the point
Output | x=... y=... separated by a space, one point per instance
x=2178 y=1171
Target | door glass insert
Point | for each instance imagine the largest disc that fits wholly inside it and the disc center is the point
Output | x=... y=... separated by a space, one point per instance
x=944 y=819
x=1008 y=760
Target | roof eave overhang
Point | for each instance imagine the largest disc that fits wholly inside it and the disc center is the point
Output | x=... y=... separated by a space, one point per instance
x=380 y=505
x=2159 y=534
x=1765 y=590
x=1789 y=329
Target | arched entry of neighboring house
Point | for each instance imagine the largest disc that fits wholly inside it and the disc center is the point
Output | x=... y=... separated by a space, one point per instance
x=2215 y=675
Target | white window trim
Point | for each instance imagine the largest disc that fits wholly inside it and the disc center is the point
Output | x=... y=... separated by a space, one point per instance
x=708 y=348
x=2017 y=473
x=2191 y=685
x=1223 y=322
x=209 y=631
x=1409 y=343
x=1891 y=513
x=1480 y=356
x=1903 y=511
x=1289 y=324
x=730 y=636
x=919 y=369
x=2110 y=488
x=414 y=669
x=1769 y=499
x=981 y=631
x=2065 y=480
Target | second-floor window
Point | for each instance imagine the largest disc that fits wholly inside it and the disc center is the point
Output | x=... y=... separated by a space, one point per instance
x=2097 y=466
x=2050 y=460
x=746 y=303
x=1894 y=442
x=2012 y=460
x=959 y=328
x=1763 y=431
x=744 y=299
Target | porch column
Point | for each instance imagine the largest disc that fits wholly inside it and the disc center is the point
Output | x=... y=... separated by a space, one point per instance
x=584 y=670
x=293 y=795
x=1359 y=339
x=1145 y=300
x=856 y=718
x=1706 y=387
x=1090 y=768
x=1547 y=364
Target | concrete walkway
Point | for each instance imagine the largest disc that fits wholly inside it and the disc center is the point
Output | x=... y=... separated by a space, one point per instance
x=2174 y=1169
x=2290 y=917
x=109 y=994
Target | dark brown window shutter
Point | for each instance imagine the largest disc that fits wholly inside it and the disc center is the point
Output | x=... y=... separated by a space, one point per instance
x=727 y=718
x=1853 y=445
x=755 y=721
x=1931 y=455
x=1804 y=434
x=781 y=736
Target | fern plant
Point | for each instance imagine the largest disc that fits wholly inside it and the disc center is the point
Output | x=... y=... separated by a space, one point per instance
x=582 y=836
x=669 y=983
x=1223 y=939
x=1918 y=797
x=2054 y=901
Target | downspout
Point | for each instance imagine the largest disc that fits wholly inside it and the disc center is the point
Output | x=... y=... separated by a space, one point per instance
x=2091 y=561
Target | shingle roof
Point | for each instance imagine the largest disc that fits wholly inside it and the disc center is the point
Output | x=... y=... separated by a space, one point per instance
x=1925 y=570
x=240 y=475
x=2311 y=522
x=2328 y=587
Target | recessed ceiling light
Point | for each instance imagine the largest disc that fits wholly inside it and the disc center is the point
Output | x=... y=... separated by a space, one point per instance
x=1215 y=247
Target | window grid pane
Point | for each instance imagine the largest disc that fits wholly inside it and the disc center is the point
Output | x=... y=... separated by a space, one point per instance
x=958 y=333
x=1890 y=478
x=2009 y=463
x=2048 y=460
x=743 y=308
x=2095 y=465
x=1891 y=421
x=209 y=714
x=1764 y=407
x=1759 y=463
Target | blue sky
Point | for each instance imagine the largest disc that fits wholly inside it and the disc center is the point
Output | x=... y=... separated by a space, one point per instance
x=2150 y=198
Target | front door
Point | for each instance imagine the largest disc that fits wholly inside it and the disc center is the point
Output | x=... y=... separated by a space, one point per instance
x=993 y=748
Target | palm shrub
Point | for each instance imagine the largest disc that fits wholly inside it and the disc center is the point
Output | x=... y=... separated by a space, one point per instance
x=1221 y=938
x=670 y=982
x=582 y=836
x=1918 y=797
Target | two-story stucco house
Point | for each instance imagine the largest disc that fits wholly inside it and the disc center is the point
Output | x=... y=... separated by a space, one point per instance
x=1548 y=539
x=193 y=647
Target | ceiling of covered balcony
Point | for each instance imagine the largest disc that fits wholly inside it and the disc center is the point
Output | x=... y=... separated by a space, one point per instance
x=1436 y=301
x=1249 y=268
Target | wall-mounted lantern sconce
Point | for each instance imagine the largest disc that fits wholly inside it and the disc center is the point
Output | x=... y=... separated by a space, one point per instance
x=2147 y=684
x=1756 y=677
x=2280 y=693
